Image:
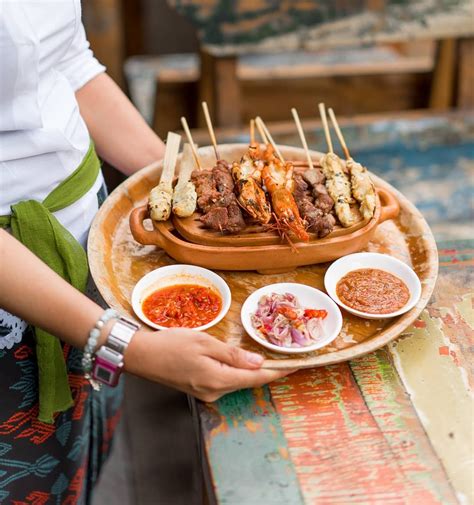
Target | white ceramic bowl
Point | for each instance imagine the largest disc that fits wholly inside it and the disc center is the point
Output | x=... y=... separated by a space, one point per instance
x=179 y=274
x=308 y=298
x=346 y=264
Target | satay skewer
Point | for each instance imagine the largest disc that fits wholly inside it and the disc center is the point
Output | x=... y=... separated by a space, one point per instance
x=252 y=131
x=261 y=132
x=260 y=122
x=363 y=188
x=159 y=203
x=184 y=123
x=302 y=137
x=339 y=133
x=338 y=183
x=324 y=119
x=211 y=129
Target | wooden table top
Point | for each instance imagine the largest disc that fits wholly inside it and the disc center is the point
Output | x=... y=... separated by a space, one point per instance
x=394 y=426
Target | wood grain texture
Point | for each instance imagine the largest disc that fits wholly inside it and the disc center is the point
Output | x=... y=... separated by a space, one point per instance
x=117 y=262
x=361 y=428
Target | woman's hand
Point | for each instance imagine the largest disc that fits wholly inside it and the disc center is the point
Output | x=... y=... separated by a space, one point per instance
x=196 y=363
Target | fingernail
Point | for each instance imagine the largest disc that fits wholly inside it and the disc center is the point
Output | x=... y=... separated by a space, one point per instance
x=254 y=359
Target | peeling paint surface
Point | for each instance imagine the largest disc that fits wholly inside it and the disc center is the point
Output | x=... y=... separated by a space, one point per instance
x=248 y=453
x=435 y=361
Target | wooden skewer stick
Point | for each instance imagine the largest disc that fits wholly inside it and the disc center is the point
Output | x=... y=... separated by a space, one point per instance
x=191 y=141
x=186 y=166
x=302 y=137
x=171 y=153
x=347 y=154
x=269 y=137
x=252 y=131
x=324 y=119
x=261 y=132
x=210 y=128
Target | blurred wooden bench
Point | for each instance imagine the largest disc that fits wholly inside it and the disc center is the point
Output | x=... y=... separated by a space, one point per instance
x=146 y=74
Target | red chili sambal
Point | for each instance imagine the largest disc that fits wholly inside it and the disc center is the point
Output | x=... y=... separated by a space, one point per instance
x=373 y=291
x=182 y=306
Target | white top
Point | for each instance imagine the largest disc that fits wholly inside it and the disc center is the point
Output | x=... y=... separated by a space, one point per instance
x=44 y=59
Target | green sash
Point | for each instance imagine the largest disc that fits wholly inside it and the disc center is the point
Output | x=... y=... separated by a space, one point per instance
x=33 y=224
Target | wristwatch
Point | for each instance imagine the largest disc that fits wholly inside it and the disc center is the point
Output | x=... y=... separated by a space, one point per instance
x=108 y=363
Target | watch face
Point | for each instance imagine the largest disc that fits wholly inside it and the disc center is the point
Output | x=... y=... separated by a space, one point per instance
x=104 y=374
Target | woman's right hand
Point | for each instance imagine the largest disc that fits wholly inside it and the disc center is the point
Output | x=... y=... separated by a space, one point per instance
x=196 y=363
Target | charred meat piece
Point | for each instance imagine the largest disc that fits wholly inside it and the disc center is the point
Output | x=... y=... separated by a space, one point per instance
x=319 y=222
x=223 y=178
x=216 y=199
x=314 y=176
x=322 y=200
x=216 y=219
x=224 y=219
x=236 y=221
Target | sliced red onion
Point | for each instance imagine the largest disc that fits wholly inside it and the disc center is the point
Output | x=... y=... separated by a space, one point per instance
x=314 y=328
x=298 y=337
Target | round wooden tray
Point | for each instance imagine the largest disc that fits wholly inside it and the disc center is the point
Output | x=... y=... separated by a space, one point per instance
x=117 y=262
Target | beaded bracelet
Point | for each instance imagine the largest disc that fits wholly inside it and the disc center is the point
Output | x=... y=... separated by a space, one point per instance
x=94 y=337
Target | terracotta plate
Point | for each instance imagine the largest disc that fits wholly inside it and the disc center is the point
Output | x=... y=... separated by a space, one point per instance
x=117 y=262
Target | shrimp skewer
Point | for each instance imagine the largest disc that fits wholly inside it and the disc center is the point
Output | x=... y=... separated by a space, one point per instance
x=363 y=188
x=278 y=179
x=337 y=182
x=159 y=202
x=247 y=175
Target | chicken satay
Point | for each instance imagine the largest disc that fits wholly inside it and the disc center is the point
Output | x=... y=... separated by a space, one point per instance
x=339 y=188
x=159 y=202
x=363 y=188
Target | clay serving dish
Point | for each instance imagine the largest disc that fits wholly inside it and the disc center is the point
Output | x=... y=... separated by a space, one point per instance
x=186 y=241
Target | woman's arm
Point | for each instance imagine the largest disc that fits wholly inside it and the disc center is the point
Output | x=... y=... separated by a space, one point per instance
x=120 y=134
x=193 y=362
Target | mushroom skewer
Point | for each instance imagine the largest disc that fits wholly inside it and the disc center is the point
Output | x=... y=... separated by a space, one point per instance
x=184 y=195
x=362 y=187
x=159 y=203
x=337 y=182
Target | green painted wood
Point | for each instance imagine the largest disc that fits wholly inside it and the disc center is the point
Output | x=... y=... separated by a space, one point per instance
x=247 y=451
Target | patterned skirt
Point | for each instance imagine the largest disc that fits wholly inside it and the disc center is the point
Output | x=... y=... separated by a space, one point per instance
x=50 y=463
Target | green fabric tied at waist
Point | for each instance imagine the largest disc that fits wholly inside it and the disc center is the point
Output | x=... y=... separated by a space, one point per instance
x=34 y=225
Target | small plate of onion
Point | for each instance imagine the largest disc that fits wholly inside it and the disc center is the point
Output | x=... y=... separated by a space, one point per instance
x=291 y=318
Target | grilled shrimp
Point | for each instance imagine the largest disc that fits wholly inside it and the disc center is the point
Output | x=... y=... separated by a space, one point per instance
x=250 y=195
x=278 y=179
